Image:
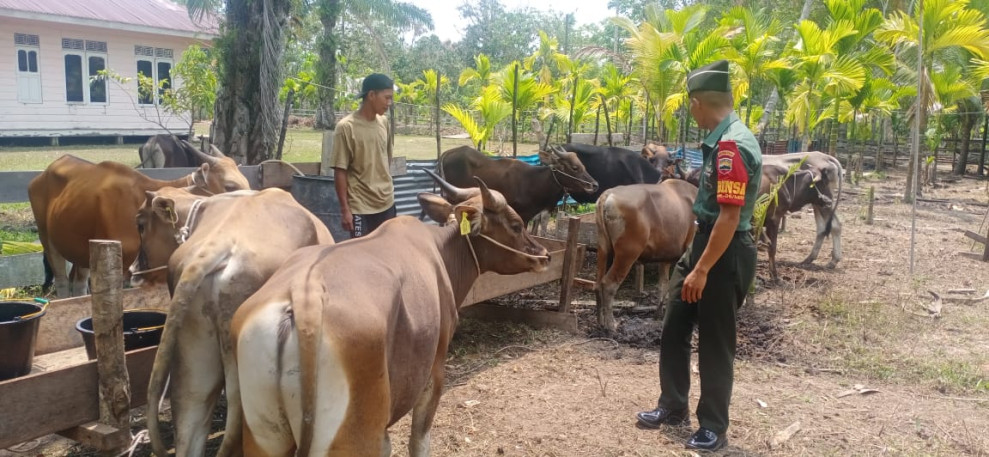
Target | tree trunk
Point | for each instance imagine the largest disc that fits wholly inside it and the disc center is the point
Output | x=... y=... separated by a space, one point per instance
x=326 y=68
x=879 y=152
x=247 y=102
x=628 y=132
x=967 y=128
x=281 y=134
x=607 y=120
x=597 y=125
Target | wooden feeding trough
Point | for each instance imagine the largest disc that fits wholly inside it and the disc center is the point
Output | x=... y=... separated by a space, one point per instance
x=90 y=401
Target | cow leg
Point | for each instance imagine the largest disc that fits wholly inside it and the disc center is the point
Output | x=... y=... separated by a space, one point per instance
x=60 y=276
x=772 y=232
x=624 y=257
x=425 y=410
x=836 y=242
x=197 y=377
x=820 y=218
x=664 y=287
x=386 y=446
x=79 y=281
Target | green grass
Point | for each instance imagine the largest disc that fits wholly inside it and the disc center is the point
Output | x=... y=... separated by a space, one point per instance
x=301 y=145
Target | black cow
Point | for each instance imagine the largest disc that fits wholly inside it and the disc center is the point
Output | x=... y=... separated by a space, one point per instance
x=613 y=166
x=168 y=151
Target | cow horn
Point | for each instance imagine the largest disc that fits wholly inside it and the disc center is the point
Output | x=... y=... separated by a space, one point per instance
x=487 y=198
x=216 y=151
x=560 y=152
x=202 y=155
x=453 y=193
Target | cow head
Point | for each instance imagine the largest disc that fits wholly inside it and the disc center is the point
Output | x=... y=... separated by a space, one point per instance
x=659 y=157
x=218 y=173
x=805 y=187
x=568 y=170
x=160 y=223
x=497 y=233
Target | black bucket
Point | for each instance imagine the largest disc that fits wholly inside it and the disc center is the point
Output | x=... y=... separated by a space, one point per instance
x=317 y=194
x=19 y=323
x=142 y=328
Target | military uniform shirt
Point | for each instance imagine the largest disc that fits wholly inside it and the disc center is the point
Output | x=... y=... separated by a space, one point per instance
x=361 y=148
x=731 y=174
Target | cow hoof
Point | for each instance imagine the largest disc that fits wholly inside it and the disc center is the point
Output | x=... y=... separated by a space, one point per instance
x=832 y=265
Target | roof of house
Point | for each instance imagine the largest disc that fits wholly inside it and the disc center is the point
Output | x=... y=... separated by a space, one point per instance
x=154 y=16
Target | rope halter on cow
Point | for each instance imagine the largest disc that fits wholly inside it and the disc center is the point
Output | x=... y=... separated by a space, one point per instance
x=495 y=242
x=557 y=170
x=183 y=234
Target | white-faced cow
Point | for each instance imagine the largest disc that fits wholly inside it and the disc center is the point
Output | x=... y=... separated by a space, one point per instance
x=641 y=222
x=811 y=185
x=344 y=340
x=75 y=200
x=528 y=189
x=218 y=250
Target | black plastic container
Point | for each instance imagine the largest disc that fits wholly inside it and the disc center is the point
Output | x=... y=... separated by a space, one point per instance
x=18 y=336
x=142 y=328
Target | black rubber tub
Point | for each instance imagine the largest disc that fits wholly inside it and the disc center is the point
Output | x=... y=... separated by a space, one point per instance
x=142 y=328
x=19 y=323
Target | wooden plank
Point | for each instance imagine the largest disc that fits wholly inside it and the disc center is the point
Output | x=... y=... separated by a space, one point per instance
x=975 y=236
x=571 y=262
x=44 y=403
x=57 y=330
x=491 y=285
x=566 y=322
x=99 y=436
x=584 y=283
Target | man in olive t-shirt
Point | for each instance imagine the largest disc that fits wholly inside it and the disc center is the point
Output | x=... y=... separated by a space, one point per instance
x=360 y=160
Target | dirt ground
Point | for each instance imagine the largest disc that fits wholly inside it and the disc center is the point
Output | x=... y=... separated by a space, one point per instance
x=853 y=358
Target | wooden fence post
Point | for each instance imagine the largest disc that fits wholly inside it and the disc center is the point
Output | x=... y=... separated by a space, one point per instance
x=439 y=79
x=872 y=199
x=571 y=263
x=515 y=113
x=107 y=302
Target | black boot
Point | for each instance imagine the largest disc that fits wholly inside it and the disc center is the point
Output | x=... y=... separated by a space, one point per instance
x=660 y=416
x=706 y=440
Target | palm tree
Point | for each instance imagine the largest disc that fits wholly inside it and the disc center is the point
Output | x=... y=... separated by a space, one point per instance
x=364 y=13
x=492 y=110
x=530 y=91
x=544 y=60
x=481 y=72
x=249 y=81
x=950 y=27
x=615 y=89
x=754 y=47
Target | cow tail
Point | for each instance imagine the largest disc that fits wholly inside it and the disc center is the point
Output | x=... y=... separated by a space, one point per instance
x=186 y=288
x=308 y=311
x=604 y=234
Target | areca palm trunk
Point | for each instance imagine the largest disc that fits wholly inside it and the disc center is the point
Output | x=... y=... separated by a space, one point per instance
x=967 y=126
x=329 y=14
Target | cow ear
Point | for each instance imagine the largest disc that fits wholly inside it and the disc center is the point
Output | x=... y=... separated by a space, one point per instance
x=164 y=208
x=473 y=215
x=199 y=177
x=547 y=157
x=436 y=207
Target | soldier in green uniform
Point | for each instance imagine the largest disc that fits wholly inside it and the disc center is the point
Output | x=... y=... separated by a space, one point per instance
x=712 y=278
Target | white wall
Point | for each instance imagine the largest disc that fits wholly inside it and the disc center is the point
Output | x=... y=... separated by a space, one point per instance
x=54 y=116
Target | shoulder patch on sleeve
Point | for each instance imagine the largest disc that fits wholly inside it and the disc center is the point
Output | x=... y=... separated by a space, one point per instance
x=733 y=177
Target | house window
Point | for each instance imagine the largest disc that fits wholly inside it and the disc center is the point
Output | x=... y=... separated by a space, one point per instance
x=28 y=69
x=84 y=60
x=155 y=64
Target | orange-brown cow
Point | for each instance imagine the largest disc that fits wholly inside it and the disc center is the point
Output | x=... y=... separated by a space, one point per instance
x=641 y=222
x=75 y=200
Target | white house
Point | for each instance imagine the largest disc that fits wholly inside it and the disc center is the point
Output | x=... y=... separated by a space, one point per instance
x=54 y=47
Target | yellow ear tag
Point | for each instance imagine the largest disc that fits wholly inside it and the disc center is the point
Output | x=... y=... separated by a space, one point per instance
x=464 y=225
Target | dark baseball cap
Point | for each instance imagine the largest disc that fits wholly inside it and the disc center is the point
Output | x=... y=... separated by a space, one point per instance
x=375 y=81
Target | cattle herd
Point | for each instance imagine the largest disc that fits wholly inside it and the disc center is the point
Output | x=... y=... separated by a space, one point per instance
x=321 y=347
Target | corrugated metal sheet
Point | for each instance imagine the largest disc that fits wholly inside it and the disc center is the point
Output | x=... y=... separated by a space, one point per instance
x=161 y=14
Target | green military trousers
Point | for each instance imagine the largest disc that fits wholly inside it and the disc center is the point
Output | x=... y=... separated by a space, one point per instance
x=714 y=315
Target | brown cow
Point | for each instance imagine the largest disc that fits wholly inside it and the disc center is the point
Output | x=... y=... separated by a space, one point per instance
x=641 y=222
x=528 y=189
x=75 y=200
x=345 y=340
x=811 y=185
x=219 y=250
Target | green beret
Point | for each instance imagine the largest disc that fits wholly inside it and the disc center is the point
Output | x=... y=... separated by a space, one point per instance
x=712 y=77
